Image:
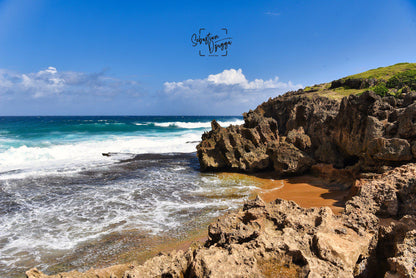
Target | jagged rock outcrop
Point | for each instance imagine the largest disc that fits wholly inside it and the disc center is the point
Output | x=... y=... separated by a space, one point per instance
x=374 y=237
x=292 y=132
x=237 y=147
x=354 y=83
x=272 y=133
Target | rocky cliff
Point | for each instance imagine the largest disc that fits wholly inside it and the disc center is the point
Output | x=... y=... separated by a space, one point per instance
x=372 y=129
x=290 y=133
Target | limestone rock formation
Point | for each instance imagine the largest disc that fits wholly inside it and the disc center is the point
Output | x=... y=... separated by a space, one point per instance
x=288 y=159
x=237 y=147
x=292 y=132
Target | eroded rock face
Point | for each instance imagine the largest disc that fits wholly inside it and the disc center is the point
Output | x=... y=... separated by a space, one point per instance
x=374 y=237
x=367 y=128
x=368 y=132
x=237 y=148
x=288 y=159
x=354 y=83
x=403 y=263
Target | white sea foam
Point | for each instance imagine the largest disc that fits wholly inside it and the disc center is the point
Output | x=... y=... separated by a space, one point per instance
x=89 y=152
x=159 y=201
x=198 y=124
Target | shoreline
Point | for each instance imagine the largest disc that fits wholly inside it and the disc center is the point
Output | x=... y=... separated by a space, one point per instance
x=138 y=247
x=307 y=191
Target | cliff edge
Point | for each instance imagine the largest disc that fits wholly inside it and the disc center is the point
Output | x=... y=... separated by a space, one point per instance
x=371 y=130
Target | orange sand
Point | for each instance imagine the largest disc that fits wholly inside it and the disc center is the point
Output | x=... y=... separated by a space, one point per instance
x=306 y=191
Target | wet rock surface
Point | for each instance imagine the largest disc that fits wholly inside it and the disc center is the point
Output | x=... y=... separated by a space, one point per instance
x=374 y=237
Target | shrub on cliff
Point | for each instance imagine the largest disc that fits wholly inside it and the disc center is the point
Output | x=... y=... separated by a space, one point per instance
x=407 y=78
x=380 y=89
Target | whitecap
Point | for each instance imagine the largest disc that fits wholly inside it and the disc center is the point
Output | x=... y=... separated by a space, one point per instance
x=195 y=125
x=88 y=153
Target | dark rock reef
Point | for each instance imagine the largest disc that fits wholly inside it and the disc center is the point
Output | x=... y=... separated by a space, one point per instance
x=290 y=133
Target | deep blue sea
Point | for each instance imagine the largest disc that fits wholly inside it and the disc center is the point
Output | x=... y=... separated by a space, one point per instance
x=59 y=192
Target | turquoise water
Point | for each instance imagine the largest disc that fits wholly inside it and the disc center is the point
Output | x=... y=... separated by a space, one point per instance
x=76 y=141
x=59 y=193
x=46 y=131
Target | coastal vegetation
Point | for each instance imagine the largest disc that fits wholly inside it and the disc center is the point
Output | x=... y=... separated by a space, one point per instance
x=384 y=81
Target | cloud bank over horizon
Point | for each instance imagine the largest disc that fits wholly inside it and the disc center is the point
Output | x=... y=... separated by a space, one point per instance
x=226 y=93
x=51 y=82
x=229 y=79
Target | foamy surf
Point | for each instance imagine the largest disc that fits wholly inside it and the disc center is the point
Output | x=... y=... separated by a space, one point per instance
x=59 y=193
x=85 y=143
x=88 y=153
x=194 y=125
x=155 y=194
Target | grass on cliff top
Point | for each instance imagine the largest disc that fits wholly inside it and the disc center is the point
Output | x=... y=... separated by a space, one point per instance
x=385 y=72
x=405 y=72
x=323 y=90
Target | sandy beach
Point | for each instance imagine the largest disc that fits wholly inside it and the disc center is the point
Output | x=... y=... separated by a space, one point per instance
x=307 y=191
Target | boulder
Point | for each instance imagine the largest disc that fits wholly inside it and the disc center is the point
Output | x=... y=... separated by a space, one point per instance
x=299 y=139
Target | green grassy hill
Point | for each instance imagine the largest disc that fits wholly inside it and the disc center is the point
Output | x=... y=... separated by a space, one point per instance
x=392 y=80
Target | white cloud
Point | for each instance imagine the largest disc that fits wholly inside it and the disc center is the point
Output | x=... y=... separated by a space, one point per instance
x=43 y=83
x=228 y=77
x=229 y=89
x=229 y=82
x=51 y=82
x=272 y=13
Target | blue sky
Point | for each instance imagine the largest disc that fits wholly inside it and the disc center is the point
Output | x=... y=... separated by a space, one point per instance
x=136 y=57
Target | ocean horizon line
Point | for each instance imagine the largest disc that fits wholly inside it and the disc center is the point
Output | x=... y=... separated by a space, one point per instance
x=121 y=115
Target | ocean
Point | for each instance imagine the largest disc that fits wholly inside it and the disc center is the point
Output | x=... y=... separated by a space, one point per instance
x=59 y=194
